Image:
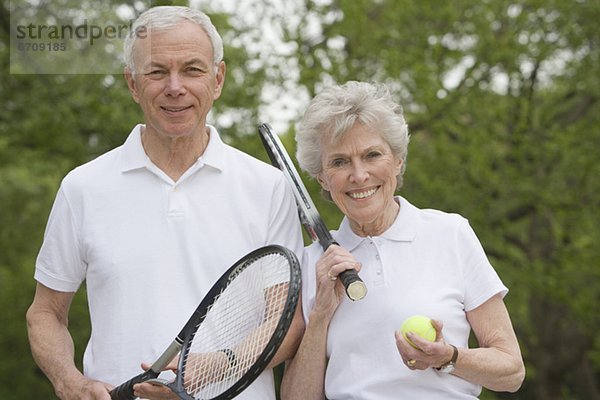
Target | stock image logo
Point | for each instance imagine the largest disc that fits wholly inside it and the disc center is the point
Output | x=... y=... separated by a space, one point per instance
x=80 y=38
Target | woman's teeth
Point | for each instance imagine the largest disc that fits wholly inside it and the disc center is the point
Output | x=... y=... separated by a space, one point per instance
x=362 y=195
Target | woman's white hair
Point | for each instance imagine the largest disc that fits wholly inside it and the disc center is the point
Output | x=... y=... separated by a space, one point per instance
x=336 y=109
x=167 y=17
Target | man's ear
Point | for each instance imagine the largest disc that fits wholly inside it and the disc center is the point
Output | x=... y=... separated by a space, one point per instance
x=219 y=79
x=130 y=79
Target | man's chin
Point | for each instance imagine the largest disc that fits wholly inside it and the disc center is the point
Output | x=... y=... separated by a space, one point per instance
x=178 y=130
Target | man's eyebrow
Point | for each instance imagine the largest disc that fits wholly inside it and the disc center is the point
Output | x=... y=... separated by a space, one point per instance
x=192 y=61
x=195 y=61
x=154 y=64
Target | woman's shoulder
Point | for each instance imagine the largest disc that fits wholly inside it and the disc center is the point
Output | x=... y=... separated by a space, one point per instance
x=435 y=216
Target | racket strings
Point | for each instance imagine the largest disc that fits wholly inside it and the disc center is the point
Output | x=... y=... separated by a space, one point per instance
x=237 y=327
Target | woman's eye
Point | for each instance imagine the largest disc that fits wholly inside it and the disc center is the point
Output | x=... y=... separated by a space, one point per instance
x=338 y=162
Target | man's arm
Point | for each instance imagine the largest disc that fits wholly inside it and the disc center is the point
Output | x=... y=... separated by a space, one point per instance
x=292 y=340
x=52 y=346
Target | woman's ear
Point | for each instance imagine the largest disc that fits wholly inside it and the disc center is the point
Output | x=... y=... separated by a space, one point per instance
x=398 y=168
x=322 y=182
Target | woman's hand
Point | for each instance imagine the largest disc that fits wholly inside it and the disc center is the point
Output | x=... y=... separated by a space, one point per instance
x=330 y=289
x=427 y=354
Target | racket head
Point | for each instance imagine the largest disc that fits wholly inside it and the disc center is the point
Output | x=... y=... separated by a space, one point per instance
x=247 y=313
x=309 y=216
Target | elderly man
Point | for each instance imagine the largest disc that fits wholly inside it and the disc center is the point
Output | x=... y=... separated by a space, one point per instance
x=150 y=225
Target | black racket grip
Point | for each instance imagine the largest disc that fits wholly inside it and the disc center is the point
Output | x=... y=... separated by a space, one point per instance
x=125 y=390
x=355 y=287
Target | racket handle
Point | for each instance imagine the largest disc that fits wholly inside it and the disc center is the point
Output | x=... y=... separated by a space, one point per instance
x=355 y=287
x=125 y=390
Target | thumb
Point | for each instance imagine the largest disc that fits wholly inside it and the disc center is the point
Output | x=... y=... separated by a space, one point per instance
x=438 y=326
x=146 y=366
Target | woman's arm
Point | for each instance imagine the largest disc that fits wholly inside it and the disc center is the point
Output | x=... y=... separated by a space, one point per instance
x=304 y=376
x=497 y=363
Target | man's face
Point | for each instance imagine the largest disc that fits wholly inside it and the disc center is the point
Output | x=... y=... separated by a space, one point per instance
x=176 y=80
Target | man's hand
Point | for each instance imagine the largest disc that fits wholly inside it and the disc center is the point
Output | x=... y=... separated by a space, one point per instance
x=85 y=389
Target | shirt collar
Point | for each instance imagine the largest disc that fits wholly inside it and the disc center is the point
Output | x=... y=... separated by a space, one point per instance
x=134 y=157
x=214 y=154
x=132 y=154
x=404 y=228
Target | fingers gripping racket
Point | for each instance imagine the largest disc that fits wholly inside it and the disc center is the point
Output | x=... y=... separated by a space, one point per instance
x=235 y=331
x=310 y=217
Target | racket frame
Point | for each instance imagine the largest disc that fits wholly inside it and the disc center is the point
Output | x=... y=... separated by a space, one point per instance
x=308 y=213
x=184 y=339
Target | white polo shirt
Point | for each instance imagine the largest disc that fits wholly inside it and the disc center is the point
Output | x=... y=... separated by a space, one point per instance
x=428 y=262
x=149 y=248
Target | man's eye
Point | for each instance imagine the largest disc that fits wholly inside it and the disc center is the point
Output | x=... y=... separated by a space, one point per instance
x=195 y=70
x=156 y=72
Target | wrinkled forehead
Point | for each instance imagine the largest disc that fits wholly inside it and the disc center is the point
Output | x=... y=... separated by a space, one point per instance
x=183 y=41
x=358 y=135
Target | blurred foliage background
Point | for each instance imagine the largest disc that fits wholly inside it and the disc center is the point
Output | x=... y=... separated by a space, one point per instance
x=502 y=98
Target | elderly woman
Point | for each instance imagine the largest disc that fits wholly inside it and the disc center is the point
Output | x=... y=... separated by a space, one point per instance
x=353 y=139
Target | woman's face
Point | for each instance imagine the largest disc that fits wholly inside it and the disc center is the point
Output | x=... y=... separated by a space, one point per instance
x=360 y=173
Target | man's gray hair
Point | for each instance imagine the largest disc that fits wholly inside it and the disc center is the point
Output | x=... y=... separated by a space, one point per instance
x=166 y=17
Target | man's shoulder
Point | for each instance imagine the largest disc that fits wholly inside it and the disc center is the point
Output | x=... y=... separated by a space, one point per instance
x=128 y=155
x=99 y=168
x=247 y=162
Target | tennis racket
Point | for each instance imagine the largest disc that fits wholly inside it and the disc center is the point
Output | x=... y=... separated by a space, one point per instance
x=235 y=331
x=309 y=216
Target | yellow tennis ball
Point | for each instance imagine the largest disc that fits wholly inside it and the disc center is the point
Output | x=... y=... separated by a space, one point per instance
x=420 y=325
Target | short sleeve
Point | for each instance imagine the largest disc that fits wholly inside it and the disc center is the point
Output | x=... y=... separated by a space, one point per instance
x=481 y=279
x=60 y=265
